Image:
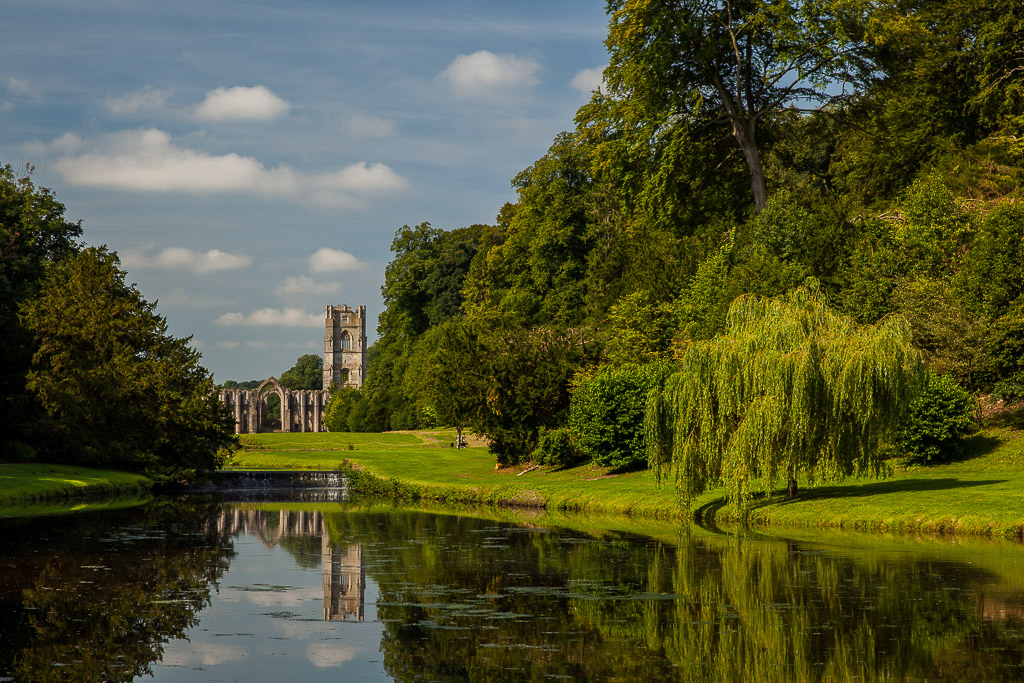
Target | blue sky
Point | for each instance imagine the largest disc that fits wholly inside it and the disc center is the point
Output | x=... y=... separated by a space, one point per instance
x=251 y=161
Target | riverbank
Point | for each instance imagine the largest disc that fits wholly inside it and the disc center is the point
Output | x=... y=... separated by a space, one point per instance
x=28 y=484
x=981 y=494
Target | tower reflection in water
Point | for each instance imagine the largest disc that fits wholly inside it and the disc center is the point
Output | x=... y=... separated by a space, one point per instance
x=344 y=576
x=344 y=581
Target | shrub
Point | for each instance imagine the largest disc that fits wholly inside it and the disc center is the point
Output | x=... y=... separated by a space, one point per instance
x=16 y=451
x=940 y=417
x=339 y=409
x=606 y=413
x=556 y=448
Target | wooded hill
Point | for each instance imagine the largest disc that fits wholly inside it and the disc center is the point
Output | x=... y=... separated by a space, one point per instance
x=871 y=152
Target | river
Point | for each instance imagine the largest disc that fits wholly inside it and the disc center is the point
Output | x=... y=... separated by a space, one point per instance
x=200 y=589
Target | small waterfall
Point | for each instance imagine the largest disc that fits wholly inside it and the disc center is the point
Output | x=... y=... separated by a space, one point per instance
x=308 y=485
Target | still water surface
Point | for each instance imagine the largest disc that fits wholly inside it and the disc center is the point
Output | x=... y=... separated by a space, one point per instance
x=211 y=591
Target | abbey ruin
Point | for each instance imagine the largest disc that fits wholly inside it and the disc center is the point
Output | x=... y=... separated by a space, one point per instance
x=303 y=410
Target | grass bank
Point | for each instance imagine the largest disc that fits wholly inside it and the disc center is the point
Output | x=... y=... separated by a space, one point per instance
x=23 y=486
x=982 y=494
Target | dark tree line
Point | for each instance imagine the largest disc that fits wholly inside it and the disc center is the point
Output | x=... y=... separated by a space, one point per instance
x=90 y=374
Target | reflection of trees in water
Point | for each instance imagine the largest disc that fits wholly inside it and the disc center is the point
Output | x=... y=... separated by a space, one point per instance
x=707 y=610
x=99 y=605
x=463 y=598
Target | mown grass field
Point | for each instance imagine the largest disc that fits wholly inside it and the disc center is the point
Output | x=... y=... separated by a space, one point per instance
x=981 y=494
x=22 y=485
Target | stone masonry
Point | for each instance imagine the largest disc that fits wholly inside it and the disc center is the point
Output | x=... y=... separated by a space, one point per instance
x=344 y=346
x=303 y=411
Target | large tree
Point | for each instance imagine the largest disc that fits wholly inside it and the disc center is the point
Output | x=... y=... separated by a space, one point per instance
x=503 y=381
x=116 y=389
x=307 y=373
x=422 y=288
x=790 y=388
x=699 y=63
x=33 y=233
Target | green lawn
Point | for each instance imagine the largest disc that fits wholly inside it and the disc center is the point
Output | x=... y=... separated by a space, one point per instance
x=982 y=494
x=23 y=483
x=425 y=461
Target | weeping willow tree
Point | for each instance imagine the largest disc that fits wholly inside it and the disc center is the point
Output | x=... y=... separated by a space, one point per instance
x=790 y=387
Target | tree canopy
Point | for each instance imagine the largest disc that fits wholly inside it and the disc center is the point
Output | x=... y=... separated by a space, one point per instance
x=33 y=233
x=790 y=387
x=307 y=373
x=697 y=63
x=114 y=387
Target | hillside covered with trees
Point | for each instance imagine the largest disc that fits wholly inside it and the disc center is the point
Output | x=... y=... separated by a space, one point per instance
x=869 y=155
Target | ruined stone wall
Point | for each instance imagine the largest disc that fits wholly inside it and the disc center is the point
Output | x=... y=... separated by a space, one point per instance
x=301 y=410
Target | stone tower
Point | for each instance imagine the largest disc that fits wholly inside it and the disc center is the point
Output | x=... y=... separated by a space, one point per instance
x=344 y=346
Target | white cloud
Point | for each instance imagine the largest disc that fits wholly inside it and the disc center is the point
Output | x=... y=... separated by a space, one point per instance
x=231 y=345
x=286 y=317
x=241 y=103
x=184 y=653
x=181 y=298
x=19 y=86
x=324 y=655
x=326 y=259
x=146 y=100
x=588 y=80
x=65 y=144
x=197 y=344
x=306 y=285
x=179 y=258
x=485 y=74
x=369 y=127
x=148 y=161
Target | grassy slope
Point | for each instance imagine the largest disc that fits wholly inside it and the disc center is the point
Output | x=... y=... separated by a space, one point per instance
x=23 y=483
x=982 y=494
x=439 y=471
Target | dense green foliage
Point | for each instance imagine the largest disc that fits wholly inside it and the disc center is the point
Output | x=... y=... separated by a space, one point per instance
x=791 y=388
x=940 y=417
x=339 y=414
x=89 y=374
x=505 y=382
x=307 y=373
x=115 y=389
x=247 y=384
x=556 y=448
x=724 y=65
x=606 y=413
x=868 y=151
x=33 y=233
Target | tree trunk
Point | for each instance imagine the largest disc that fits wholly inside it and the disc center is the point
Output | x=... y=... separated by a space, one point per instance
x=745 y=132
x=791 y=490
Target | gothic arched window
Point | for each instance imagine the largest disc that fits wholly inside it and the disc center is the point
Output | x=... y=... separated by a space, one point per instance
x=346 y=341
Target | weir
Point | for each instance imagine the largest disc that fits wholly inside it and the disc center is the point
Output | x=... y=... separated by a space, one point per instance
x=306 y=486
